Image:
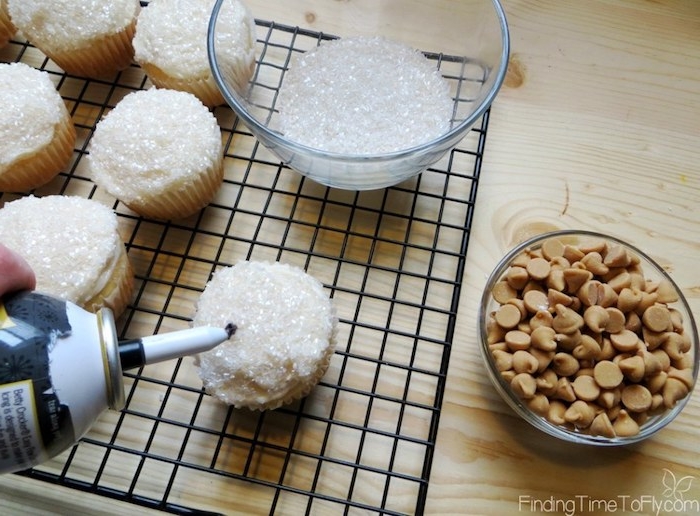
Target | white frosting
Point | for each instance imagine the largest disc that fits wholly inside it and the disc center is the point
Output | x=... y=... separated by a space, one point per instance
x=152 y=140
x=364 y=96
x=30 y=110
x=68 y=24
x=72 y=243
x=285 y=336
x=172 y=35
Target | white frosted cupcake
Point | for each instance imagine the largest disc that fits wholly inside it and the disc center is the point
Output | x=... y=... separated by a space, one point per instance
x=37 y=134
x=83 y=37
x=285 y=337
x=73 y=246
x=159 y=152
x=7 y=28
x=171 y=45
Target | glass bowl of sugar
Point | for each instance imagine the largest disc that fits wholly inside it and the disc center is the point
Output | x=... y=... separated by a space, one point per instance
x=364 y=95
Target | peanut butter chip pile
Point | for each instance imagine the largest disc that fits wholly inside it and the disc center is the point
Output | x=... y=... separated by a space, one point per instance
x=586 y=340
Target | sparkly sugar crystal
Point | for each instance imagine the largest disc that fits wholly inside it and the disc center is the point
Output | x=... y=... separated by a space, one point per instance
x=364 y=96
x=285 y=331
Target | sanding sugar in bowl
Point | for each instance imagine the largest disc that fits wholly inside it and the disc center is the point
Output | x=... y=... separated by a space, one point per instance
x=362 y=96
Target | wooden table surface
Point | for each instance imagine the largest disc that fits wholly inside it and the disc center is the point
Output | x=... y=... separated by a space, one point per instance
x=597 y=127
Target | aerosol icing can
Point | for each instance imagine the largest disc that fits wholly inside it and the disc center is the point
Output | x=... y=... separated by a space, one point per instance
x=61 y=368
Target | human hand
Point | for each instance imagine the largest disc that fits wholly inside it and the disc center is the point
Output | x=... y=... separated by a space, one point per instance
x=15 y=272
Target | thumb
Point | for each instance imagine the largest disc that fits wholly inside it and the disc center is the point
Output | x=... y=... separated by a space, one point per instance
x=15 y=272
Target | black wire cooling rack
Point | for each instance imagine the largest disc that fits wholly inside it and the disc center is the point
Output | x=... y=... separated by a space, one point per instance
x=392 y=260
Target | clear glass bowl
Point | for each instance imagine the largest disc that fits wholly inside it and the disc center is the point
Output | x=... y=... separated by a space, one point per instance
x=652 y=271
x=468 y=42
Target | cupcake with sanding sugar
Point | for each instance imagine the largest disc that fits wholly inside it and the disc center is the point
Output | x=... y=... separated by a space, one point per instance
x=7 y=28
x=74 y=247
x=284 y=340
x=37 y=134
x=83 y=37
x=158 y=151
x=171 y=45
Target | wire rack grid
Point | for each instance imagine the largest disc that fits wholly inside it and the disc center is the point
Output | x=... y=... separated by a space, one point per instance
x=392 y=260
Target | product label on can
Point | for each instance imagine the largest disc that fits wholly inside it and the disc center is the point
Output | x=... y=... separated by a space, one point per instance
x=34 y=424
x=19 y=438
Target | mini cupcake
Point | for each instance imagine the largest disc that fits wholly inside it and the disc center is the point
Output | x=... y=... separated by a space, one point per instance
x=37 y=134
x=159 y=152
x=83 y=37
x=171 y=45
x=285 y=336
x=73 y=246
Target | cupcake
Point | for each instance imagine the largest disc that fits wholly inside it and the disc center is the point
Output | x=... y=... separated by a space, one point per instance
x=73 y=246
x=83 y=37
x=171 y=45
x=285 y=336
x=37 y=134
x=159 y=152
x=7 y=28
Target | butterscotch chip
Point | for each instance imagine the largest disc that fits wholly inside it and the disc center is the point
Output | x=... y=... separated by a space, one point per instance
x=544 y=338
x=684 y=375
x=628 y=299
x=564 y=390
x=524 y=362
x=573 y=253
x=538 y=268
x=632 y=368
x=502 y=359
x=607 y=374
x=636 y=398
x=657 y=318
x=575 y=278
x=624 y=341
x=507 y=316
x=624 y=425
x=552 y=248
x=617 y=256
x=544 y=358
x=547 y=382
x=588 y=349
x=535 y=301
x=616 y=320
x=565 y=364
x=586 y=388
x=596 y=318
x=594 y=263
x=566 y=320
x=517 y=277
x=516 y=339
x=539 y=404
x=523 y=385
x=557 y=409
x=666 y=293
x=580 y=414
x=620 y=281
x=556 y=297
x=502 y=292
x=602 y=426
x=609 y=398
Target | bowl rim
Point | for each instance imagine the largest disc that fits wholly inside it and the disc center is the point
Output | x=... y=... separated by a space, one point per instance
x=540 y=422
x=279 y=140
